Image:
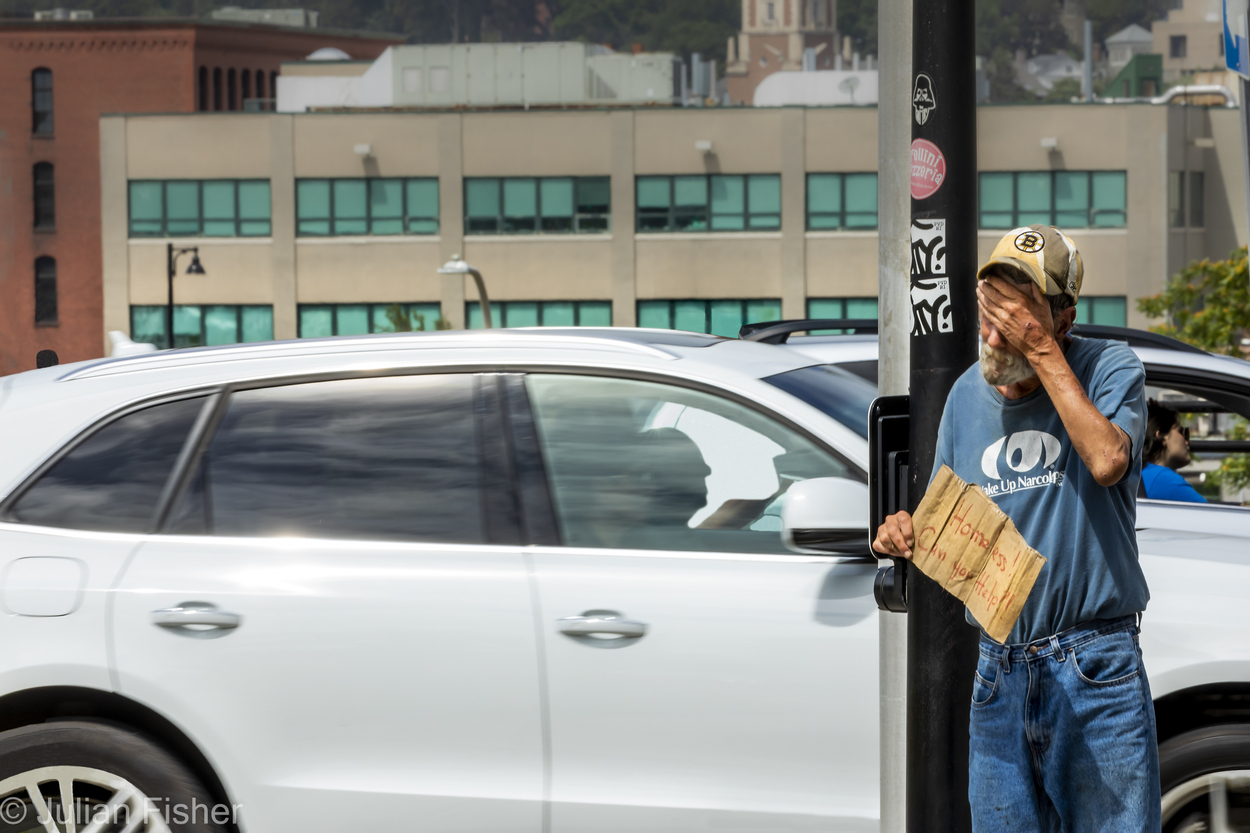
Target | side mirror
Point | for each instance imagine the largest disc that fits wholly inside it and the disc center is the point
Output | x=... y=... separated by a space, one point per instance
x=826 y=516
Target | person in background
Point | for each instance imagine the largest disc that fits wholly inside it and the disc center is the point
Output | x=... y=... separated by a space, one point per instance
x=1166 y=450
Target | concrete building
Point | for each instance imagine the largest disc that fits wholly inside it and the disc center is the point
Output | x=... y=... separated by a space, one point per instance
x=693 y=218
x=62 y=75
x=775 y=35
x=486 y=75
x=1190 y=39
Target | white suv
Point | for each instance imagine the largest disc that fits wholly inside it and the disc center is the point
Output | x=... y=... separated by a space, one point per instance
x=517 y=580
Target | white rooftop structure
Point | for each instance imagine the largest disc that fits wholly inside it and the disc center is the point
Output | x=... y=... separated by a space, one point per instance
x=275 y=17
x=1124 y=44
x=818 y=88
x=488 y=75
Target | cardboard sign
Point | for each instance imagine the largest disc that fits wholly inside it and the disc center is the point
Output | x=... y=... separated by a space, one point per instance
x=968 y=545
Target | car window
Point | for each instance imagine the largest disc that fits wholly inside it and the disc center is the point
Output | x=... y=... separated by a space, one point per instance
x=651 y=466
x=840 y=394
x=111 y=481
x=394 y=458
x=1217 y=424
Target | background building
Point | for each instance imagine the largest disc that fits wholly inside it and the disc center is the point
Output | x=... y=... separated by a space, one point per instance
x=693 y=218
x=1190 y=39
x=61 y=76
x=775 y=35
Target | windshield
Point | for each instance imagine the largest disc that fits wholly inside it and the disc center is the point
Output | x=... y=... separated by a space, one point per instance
x=842 y=395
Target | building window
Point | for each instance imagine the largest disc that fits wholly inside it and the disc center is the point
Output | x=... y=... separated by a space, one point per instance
x=1066 y=199
x=770 y=13
x=195 y=208
x=841 y=201
x=321 y=320
x=840 y=308
x=329 y=207
x=203 y=91
x=210 y=208
x=45 y=291
x=1186 y=199
x=1110 y=310
x=231 y=101
x=197 y=325
x=722 y=318
x=530 y=205
x=1178 y=46
x=41 y=102
x=217 y=88
x=260 y=83
x=709 y=203
x=541 y=314
x=45 y=196
x=245 y=87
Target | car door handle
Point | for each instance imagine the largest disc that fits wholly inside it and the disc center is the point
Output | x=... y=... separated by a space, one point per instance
x=196 y=620
x=597 y=625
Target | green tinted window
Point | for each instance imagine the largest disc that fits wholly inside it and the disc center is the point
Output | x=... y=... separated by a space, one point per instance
x=841 y=201
x=197 y=326
x=193 y=208
x=320 y=320
x=720 y=202
x=1110 y=310
x=840 y=308
x=541 y=314
x=718 y=317
x=376 y=206
x=1066 y=199
x=529 y=205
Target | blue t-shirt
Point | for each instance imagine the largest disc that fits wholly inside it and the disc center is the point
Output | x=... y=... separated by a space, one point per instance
x=1019 y=453
x=1164 y=484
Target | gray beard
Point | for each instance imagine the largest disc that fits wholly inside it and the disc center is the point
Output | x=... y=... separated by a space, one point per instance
x=1003 y=369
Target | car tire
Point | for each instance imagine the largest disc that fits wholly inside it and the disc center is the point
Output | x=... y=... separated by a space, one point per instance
x=1205 y=774
x=108 y=770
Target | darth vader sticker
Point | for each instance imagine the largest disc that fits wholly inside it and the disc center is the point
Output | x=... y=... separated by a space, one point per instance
x=923 y=98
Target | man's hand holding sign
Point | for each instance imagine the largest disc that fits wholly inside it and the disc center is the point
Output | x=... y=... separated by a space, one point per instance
x=1029 y=520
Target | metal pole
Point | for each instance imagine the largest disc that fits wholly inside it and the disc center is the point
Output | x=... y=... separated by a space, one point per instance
x=1089 y=61
x=1244 y=104
x=481 y=293
x=894 y=118
x=169 y=311
x=941 y=647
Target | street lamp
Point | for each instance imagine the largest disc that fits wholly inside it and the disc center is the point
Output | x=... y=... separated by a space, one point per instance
x=457 y=266
x=194 y=268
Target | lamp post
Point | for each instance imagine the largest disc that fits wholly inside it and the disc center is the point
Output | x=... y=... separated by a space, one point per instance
x=194 y=268
x=457 y=266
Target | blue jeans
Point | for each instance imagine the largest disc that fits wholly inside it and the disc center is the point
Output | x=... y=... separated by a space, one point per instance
x=1062 y=735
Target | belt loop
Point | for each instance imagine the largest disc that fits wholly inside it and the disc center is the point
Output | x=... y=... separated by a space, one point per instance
x=1054 y=647
x=1004 y=660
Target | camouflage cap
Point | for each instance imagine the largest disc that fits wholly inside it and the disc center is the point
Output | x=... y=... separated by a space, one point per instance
x=1043 y=253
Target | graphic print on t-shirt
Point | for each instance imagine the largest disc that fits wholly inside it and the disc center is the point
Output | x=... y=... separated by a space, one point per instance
x=1031 y=454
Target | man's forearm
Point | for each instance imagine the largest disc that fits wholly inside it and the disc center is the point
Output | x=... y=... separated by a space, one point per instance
x=1103 y=447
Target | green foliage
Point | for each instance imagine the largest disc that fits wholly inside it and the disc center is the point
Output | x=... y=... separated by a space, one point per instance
x=1206 y=304
x=1110 y=16
x=1234 y=471
x=402 y=322
x=681 y=26
x=1064 y=90
x=858 y=19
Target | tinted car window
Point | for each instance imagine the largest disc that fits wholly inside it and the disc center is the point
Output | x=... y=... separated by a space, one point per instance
x=841 y=395
x=394 y=459
x=112 y=480
x=642 y=465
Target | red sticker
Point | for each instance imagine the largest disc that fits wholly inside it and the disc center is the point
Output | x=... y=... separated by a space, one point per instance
x=928 y=169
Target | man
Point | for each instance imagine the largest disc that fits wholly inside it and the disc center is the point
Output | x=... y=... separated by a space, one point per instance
x=1062 y=733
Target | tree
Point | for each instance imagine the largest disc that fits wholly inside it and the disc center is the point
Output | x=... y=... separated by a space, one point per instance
x=858 y=19
x=680 y=26
x=1064 y=90
x=1207 y=304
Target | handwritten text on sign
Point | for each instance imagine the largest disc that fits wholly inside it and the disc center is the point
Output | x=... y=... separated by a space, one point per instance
x=968 y=545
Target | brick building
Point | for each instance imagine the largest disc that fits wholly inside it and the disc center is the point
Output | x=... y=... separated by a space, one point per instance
x=774 y=36
x=60 y=76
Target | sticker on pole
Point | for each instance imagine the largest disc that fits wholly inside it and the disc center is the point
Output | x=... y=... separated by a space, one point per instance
x=1236 y=52
x=928 y=169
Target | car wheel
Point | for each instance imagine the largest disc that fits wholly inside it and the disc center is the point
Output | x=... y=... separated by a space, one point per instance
x=113 y=779
x=1205 y=776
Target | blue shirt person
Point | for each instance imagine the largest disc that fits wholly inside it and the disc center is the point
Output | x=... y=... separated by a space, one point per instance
x=1165 y=451
x=1052 y=428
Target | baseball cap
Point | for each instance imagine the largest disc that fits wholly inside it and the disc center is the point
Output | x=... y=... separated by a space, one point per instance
x=1043 y=253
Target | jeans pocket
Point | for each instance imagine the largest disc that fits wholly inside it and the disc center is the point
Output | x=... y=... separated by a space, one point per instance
x=1106 y=660
x=985 y=681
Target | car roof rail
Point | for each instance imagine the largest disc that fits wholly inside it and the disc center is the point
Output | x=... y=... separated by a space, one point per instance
x=778 y=332
x=1134 y=338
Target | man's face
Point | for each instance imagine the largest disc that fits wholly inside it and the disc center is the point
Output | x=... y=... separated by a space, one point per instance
x=1002 y=365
